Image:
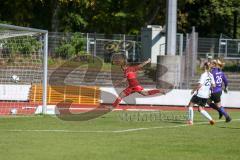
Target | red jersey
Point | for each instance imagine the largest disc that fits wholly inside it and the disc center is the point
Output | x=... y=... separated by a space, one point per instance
x=131 y=74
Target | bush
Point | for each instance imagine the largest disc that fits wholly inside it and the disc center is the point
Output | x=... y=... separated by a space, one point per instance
x=23 y=45
x=232 y=68
x=66 y=50
x=71 y=47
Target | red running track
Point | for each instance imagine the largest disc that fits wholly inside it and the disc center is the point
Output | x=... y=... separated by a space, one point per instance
x=27 y=108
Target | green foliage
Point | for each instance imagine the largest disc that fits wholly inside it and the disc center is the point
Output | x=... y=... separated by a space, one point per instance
x=50 y=61
x=211 y=17
x=232 y=68
x=71 y=47
x=22 y=46
x=66 y=50
x=73 y=21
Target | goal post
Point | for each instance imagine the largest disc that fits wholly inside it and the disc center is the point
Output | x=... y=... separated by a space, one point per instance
x=23 y=63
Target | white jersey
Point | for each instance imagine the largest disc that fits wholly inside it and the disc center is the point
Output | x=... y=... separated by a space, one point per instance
x=206 y=81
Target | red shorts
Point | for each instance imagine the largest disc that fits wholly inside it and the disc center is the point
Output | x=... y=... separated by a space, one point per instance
x=131 y=89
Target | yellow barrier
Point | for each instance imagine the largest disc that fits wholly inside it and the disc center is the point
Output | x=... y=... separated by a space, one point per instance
x=77 y=94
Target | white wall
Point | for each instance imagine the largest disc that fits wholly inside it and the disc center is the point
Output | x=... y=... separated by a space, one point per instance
x=108 y=94
x=158 y=47
x=153 y=42
x=176 y=97
x=14 y=92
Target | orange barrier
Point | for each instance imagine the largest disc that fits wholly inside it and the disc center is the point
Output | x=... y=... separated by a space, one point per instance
x=77 y=94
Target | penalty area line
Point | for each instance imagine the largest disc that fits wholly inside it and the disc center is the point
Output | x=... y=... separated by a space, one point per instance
x=166 y=127
x=109 y=131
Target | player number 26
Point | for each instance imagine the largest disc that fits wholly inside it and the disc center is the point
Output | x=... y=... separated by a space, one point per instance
x=218 y=79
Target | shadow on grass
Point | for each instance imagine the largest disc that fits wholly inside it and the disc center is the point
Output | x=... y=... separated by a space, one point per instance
x=228 y=127
x=175 y=122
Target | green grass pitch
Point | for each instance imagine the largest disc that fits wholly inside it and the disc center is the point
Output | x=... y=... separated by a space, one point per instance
x=112 y=137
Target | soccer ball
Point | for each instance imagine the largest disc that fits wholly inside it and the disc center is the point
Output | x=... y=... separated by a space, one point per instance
x=15 y=78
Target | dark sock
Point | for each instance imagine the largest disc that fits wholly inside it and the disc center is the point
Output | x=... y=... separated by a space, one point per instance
x=214 y=106
x=222 y=110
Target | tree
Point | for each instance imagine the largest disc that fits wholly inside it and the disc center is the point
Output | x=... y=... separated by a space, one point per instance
x=211 y=17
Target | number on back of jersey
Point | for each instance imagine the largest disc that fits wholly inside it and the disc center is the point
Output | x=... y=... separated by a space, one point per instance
x=208 y=82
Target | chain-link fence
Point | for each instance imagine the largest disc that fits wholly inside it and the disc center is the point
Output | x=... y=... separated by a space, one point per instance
x=195 y=50
x=229 y=48
x=224 y=48
x=100 y=45
x=218 y=47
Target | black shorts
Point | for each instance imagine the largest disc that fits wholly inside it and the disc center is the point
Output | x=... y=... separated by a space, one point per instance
x=216 y=97
x=199 y=101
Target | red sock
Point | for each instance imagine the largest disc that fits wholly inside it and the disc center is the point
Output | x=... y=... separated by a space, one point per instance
x=154 y=91
x=117 y=101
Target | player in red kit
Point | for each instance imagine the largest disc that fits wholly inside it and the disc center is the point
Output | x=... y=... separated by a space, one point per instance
x=130 y=75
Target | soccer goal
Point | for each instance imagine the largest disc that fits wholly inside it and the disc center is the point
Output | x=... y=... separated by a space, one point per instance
x=23 y=65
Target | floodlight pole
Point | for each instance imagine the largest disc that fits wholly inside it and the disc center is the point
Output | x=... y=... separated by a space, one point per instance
x=171 y=27
x=45 y=72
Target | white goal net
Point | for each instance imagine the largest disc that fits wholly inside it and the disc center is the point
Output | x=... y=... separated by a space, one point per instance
x=22 y=61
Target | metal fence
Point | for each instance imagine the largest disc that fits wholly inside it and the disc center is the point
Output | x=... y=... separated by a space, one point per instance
x=219 y=48
x=229 y=48
x=100 y=45
x=195 y=49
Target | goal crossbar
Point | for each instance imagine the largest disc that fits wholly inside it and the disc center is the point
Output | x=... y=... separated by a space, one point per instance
x=22 y=28
x=5 y=34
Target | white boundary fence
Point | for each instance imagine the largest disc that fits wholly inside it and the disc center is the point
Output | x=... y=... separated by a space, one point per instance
x=176 y=97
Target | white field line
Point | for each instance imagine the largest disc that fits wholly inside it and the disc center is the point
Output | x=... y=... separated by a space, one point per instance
x=109 y=131
x=162 y=127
